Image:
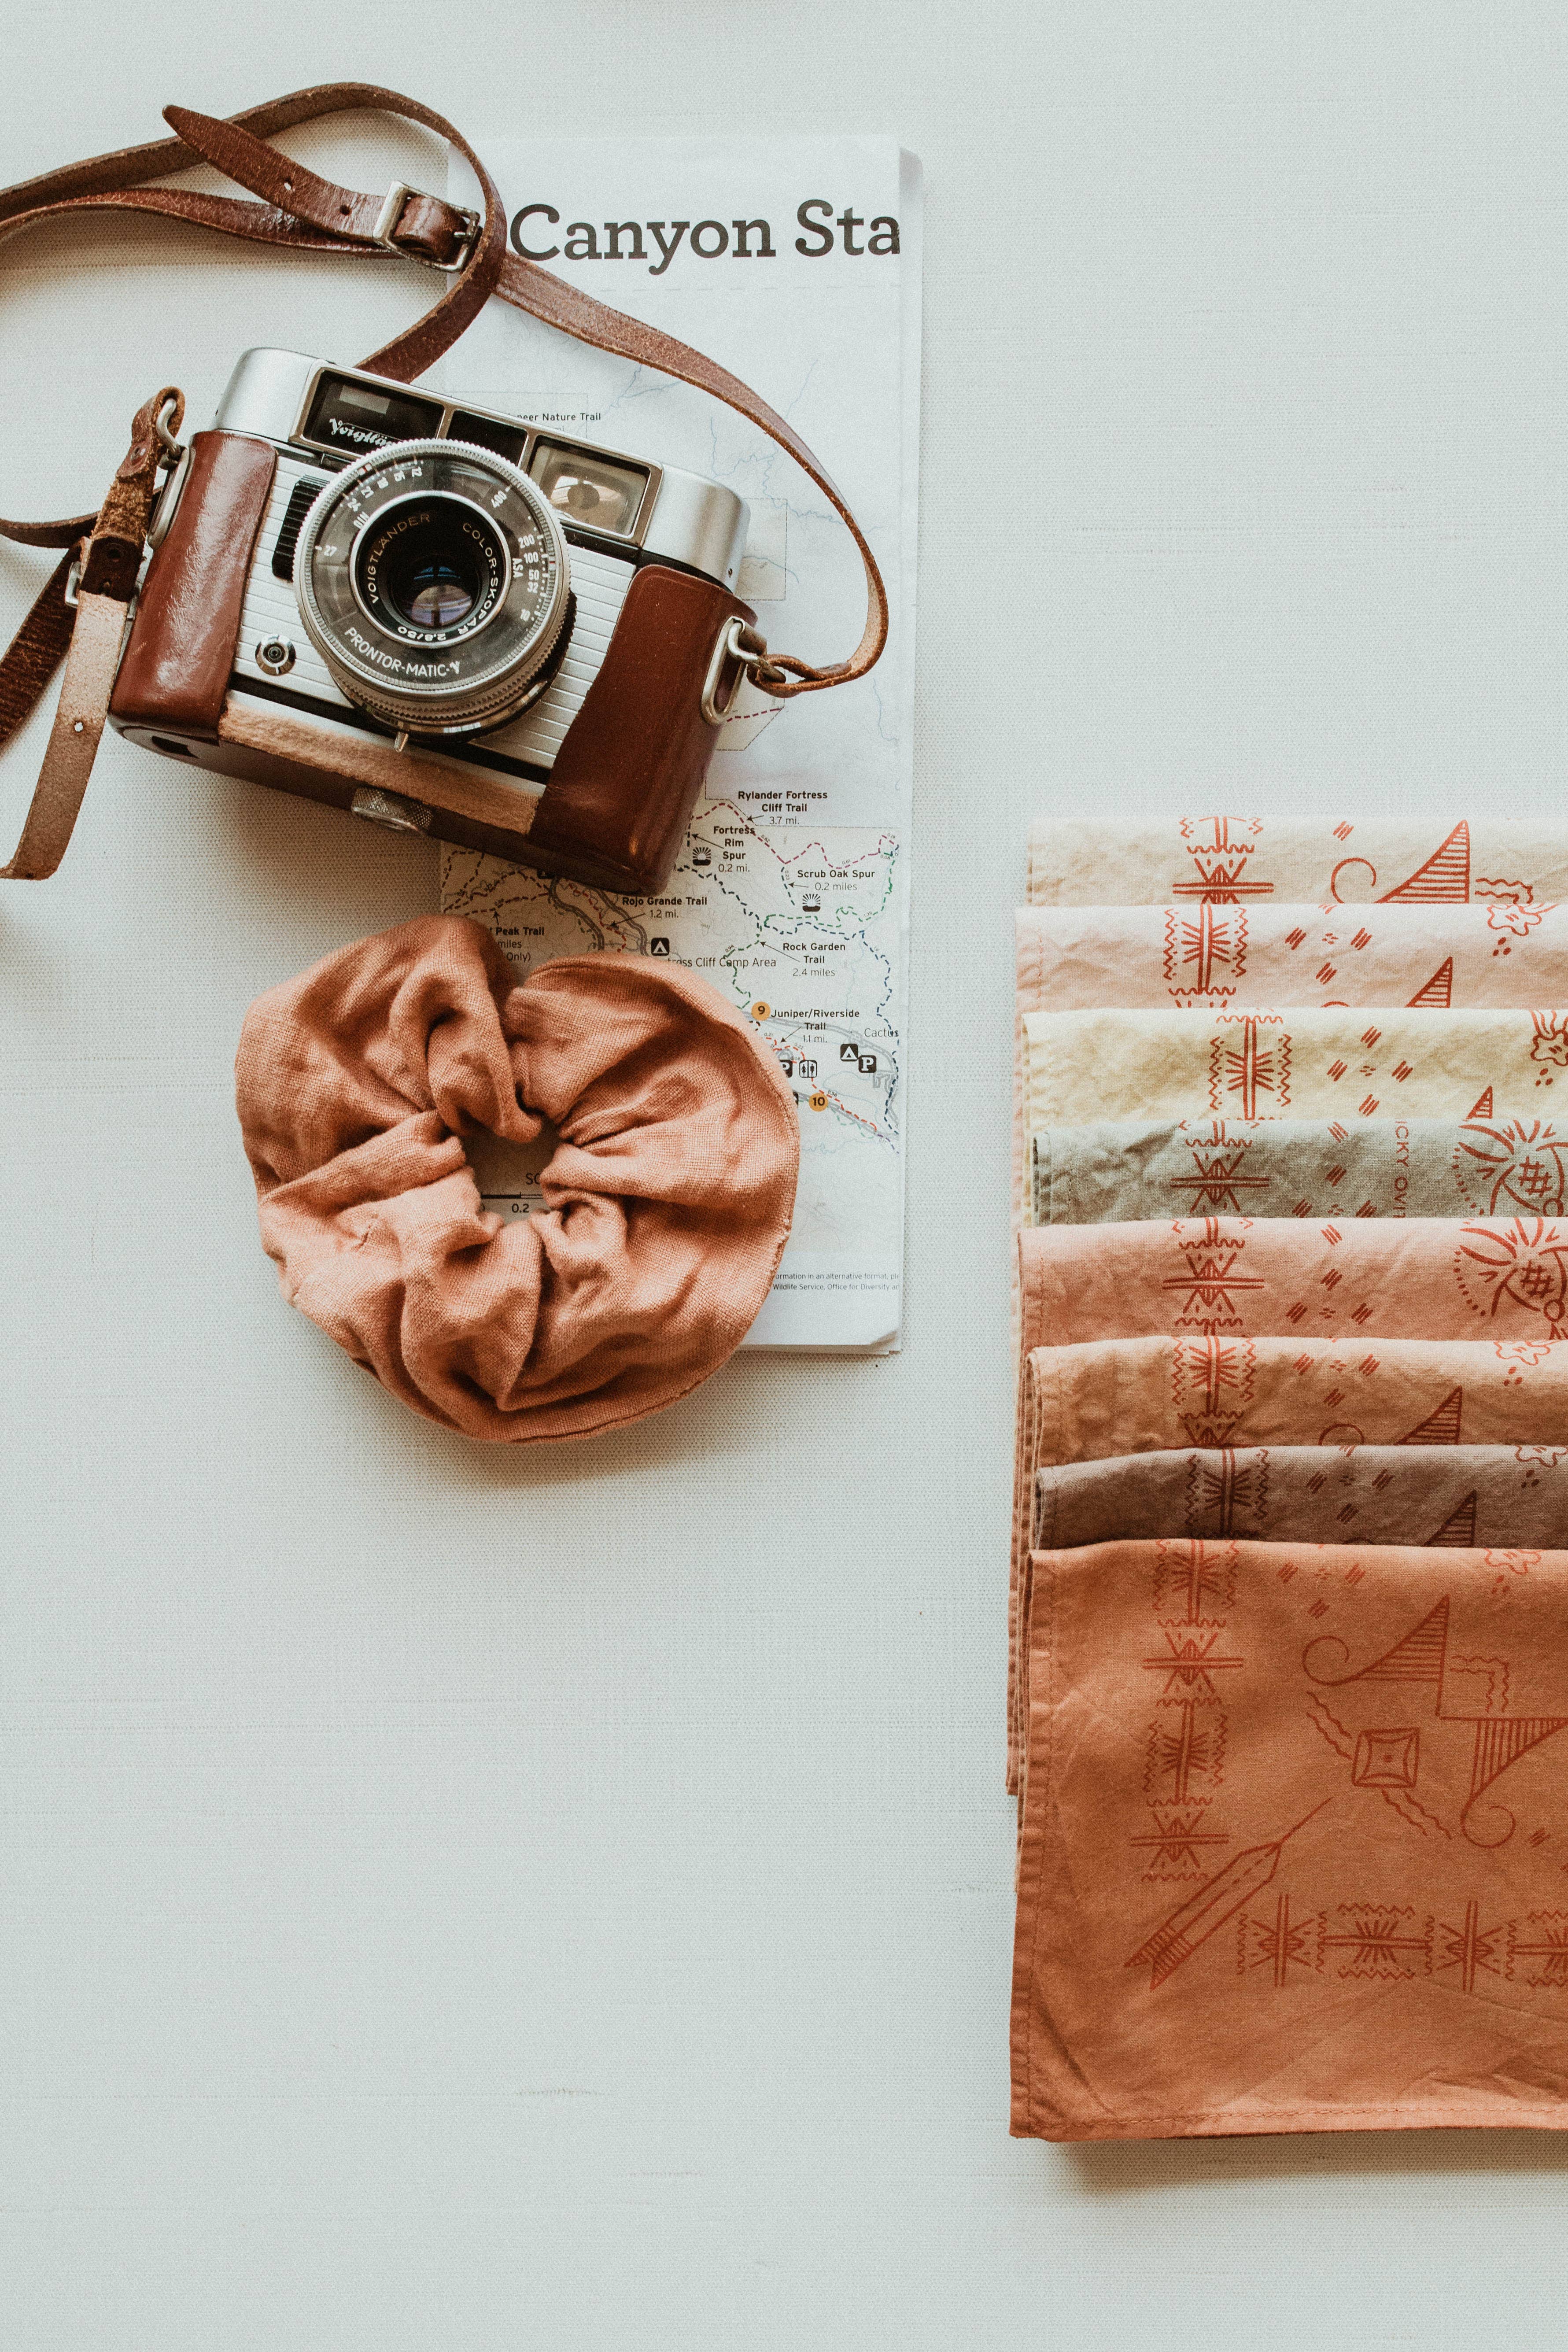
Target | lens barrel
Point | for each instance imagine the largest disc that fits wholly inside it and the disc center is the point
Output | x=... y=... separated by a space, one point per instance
x=434 y=582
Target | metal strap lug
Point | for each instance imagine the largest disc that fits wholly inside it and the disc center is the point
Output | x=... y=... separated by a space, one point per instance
x=727 y=654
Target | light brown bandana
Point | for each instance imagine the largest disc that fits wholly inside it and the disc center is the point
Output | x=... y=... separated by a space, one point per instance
x=1452 y=1495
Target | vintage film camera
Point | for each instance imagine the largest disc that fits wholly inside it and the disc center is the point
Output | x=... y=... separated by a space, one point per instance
x=442 y=619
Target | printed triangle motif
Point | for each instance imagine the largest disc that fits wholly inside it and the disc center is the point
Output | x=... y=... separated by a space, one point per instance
x=1444 y=877
x=1483 y=1109
x=1417 y=1657
x=1441 y=1427
x=1457 y=1532
x=1439 y=989
x=1501 y=1740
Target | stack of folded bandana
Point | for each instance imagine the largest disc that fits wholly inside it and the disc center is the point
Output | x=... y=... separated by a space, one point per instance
x=1289 y=1591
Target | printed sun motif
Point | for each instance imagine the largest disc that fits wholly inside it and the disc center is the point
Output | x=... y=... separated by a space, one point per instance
x=1515 y=1165
x=1526 y=1266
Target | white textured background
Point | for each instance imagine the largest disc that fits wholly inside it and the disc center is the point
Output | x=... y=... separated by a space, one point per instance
x=451 y=1900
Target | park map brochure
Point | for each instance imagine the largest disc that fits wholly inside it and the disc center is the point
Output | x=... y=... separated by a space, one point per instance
x=796 y=264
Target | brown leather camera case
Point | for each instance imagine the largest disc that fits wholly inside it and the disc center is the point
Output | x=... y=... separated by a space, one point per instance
x=620 y=794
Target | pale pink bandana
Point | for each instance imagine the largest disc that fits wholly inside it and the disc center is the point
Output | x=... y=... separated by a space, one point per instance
x=1426 y=1278
x=668 y=1198
x=1274 y=952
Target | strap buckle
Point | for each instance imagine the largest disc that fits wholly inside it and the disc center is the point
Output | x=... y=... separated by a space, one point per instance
x=384 y=233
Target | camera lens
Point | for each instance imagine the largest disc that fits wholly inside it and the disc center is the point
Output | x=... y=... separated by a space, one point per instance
x=432 y=587
x=430 y=565
x=434 y=580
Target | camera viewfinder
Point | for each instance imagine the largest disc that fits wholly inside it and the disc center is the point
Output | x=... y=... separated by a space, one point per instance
x=588 y=491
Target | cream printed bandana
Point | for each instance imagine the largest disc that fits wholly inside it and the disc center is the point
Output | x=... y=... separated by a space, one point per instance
x=1314 y=861
x=1330 y=1062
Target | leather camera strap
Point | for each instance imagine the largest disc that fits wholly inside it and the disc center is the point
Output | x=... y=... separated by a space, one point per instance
x=301 y=210
x=80 y=615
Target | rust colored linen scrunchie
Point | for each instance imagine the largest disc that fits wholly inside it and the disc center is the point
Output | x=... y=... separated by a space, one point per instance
x=668 y=1200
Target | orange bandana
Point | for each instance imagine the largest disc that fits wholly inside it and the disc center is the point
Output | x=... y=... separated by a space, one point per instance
x=1291 y=1840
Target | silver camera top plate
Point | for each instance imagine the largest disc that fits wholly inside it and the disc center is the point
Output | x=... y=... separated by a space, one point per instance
x=688 y=519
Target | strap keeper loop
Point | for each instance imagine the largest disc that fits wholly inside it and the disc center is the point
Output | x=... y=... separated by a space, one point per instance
x=108 y=567
x=384 y=233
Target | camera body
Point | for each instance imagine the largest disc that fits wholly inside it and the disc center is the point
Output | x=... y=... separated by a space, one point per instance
x=440 y=618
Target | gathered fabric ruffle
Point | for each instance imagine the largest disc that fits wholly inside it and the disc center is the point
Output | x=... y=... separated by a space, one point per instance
x=668 y=1197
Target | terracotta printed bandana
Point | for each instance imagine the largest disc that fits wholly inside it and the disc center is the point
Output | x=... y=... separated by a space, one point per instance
x=1292 y=1844
x=1140 y=1396
x=1085 y=1403
x=1106 y=1172
x=1314 y=1062
x=1317 y=861
x=1236 y=1278
x=1273 y=951
x=1454 y=1495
